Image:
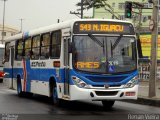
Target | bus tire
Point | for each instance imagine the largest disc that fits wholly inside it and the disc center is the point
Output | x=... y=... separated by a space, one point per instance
x=1 y=80
x=108 y=104
x=19 y=87
x=56 y=100
x=54 y=93
x=28 y=94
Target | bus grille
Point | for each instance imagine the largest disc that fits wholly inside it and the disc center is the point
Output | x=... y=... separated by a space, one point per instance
x=103 y=85
x=106 y=79
x=106 y=93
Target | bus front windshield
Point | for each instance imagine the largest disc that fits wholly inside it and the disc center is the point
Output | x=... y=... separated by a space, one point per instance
x=104 y=54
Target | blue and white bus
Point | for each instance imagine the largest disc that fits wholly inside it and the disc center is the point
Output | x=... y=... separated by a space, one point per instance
x=93 y=59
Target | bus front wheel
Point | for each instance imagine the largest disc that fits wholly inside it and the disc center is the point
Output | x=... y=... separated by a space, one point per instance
x=56 y=101
x=108 y=104
x=55 y=95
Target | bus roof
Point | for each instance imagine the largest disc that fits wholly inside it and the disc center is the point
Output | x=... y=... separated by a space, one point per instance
x=56 y=26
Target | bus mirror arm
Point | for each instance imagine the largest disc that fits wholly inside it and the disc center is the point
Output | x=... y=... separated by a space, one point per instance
x=70 y=47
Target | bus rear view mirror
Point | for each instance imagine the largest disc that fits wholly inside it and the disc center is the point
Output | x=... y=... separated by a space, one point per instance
x=70 y=46
x=139 y=47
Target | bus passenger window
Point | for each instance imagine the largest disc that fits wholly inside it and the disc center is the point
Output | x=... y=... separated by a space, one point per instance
x=35 y=47
x=56 y=44
x=19 y=49
x=45 y=44
x=7 y=53
x=27 y=48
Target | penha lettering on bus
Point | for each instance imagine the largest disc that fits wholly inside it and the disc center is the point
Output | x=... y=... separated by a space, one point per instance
x=38 y=64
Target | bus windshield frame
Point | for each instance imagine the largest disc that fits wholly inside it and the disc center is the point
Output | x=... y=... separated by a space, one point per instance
x=104 y=54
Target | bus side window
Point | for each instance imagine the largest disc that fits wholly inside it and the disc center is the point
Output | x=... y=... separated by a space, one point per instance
x=19 y=49
x=27 y=49
x=7 y=53
x=35 y=47
x=56 y=44
x=45 y=44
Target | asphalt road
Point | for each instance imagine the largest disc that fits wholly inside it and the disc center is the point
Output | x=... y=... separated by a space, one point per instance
x=40 y=108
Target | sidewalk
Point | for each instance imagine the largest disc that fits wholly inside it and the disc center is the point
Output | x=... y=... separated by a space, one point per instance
x=143 y=94
x=144 y=89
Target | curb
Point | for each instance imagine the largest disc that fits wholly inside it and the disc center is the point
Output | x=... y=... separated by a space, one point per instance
x=145 y=101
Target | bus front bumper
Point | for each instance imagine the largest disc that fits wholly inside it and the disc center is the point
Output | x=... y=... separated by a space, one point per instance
x=103 y=94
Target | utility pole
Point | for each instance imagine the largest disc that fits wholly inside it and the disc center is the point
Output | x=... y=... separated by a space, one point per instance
x=153 y=68
x=4 y=5
x=21 y=25
x=81 y=9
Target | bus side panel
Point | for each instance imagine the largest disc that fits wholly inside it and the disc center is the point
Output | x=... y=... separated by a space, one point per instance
x=39 y=73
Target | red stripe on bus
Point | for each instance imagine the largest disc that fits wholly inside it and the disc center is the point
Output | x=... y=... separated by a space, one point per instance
x=25 y=75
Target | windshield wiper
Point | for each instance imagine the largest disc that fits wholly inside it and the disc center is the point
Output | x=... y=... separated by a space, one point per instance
x=116 y=42
x=96 y=40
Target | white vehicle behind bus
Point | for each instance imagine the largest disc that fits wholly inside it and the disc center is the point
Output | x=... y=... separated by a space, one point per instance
x=1 y=62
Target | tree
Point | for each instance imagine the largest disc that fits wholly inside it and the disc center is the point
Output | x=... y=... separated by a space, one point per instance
x=92 y=3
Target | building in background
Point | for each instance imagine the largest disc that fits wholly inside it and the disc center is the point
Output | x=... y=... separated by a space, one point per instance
x=119 y=7
x=8 y=31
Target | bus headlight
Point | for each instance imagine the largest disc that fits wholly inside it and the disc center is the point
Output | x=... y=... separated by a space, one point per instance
x=132 y=82
x=80 y=83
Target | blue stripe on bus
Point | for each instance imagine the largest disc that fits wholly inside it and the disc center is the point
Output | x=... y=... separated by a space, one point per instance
x=44 y=74
x=32 y=74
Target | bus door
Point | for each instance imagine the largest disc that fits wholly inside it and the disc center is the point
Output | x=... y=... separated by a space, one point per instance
x=11 y=64
x=66 y=64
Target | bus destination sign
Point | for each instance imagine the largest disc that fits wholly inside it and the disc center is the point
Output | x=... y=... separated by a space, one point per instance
x=102 y=27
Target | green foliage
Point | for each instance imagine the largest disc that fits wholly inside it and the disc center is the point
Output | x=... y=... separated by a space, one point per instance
x=92 y=3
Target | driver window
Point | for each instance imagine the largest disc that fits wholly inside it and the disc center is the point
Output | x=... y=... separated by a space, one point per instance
x=55 y=44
